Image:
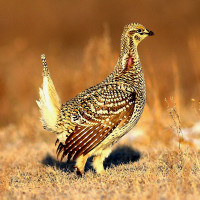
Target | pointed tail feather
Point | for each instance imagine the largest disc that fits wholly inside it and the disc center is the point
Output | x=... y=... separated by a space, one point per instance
x=49 y=102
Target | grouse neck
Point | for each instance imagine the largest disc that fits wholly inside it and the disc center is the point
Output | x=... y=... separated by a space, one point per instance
x=128 y=59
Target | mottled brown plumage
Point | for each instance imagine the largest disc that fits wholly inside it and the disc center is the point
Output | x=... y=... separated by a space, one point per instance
x=90 y=123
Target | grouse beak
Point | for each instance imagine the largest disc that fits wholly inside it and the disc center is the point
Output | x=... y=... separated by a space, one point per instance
x=150 y=33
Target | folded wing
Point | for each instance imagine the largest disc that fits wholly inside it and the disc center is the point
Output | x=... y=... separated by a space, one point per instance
x=96 y=115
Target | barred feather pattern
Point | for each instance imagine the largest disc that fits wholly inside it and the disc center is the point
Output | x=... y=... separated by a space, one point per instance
x=98 y=117
x=102 y=114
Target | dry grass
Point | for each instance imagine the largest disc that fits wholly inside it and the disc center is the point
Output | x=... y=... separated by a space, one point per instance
x=158 y=159
x=29 y=170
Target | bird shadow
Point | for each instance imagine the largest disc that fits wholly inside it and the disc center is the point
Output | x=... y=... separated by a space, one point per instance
x=120 y=155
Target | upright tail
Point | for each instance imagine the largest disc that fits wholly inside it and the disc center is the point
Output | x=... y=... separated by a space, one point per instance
x=49 y=102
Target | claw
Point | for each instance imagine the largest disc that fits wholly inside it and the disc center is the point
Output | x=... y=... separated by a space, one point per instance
x=78 y=172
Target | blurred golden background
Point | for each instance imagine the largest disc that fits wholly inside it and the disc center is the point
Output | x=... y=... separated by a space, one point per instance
x=81 y=40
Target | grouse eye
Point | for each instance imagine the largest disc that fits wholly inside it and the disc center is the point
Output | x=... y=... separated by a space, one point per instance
x=139 y=31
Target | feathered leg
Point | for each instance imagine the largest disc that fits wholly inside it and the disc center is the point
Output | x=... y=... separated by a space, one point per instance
x=98 y=161
x=80 y=164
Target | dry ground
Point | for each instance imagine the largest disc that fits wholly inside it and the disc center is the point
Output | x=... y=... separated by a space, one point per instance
x=135 y=169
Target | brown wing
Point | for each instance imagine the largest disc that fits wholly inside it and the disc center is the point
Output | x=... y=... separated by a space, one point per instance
x=97 y=115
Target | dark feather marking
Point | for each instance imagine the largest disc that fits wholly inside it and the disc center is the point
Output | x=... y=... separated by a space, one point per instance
x=78 y=137
x=132 y=32
x=104 y=132
x=83 y=139
x=120 y=123
x=108 y=132
x=80 y=144
x=78 y=152
x=128 y=114
x=74 y=134
x=59 y=149
x=56 y=142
